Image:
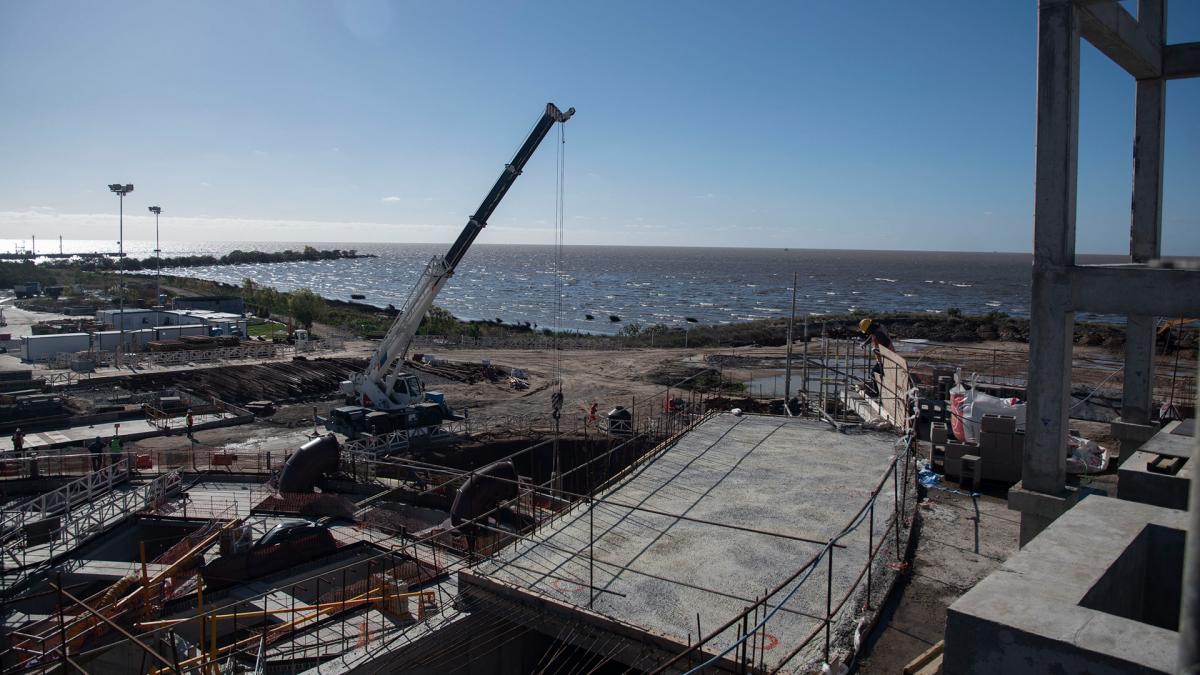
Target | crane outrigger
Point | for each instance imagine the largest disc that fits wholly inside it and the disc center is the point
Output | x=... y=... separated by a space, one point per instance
x=385 y=397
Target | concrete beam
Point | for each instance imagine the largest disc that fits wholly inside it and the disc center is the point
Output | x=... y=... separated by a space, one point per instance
x=1181 y=60
x=1118 y=35
x=1149 y=291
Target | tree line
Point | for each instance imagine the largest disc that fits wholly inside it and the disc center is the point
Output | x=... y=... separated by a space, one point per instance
x=236 y=257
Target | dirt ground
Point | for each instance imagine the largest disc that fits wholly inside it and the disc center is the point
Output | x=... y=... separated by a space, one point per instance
x=944 y=567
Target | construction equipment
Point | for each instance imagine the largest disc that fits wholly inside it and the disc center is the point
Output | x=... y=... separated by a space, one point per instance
x=385 y=386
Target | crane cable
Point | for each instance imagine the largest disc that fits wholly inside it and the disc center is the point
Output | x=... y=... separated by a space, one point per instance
x=556 y=399
x=559 y=239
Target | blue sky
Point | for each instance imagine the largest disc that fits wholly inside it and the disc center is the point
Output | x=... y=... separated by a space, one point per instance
x=798 y=124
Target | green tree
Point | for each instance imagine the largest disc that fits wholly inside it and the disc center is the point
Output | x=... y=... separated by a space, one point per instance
x=306 y=307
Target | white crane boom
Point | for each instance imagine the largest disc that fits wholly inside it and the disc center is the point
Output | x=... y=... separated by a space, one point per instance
x=384 y=385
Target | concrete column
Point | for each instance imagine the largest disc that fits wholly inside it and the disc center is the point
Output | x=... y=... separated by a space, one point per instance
x=1189 y=603
x=1145 y=234
x=1052 y=319
x=1137 y=398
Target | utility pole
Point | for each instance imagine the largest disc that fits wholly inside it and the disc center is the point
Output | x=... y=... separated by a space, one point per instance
x=121 y=191
x=157 y=257
x=787 y=377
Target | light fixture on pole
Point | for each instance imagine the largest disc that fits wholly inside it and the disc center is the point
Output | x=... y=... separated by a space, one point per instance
x=121 y=191
x=156 y=210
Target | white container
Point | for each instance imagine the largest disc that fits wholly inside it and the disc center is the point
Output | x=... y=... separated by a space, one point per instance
x=134 y=319
x=176 y=332
x=107 y=341
x=44 y=347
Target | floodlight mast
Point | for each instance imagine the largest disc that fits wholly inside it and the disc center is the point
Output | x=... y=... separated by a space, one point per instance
x=121 y=191
x=156 y=210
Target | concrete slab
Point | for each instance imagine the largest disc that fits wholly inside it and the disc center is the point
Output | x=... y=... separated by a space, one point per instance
x=131 y=430
x=654 y=573
x=1037 y=613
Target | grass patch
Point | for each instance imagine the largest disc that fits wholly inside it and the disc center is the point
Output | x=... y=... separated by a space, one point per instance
x=265 y=328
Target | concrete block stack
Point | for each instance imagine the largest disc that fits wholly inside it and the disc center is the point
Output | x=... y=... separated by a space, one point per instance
x=1000 y=450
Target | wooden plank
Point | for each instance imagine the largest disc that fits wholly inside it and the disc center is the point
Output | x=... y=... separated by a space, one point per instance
x=929 y=662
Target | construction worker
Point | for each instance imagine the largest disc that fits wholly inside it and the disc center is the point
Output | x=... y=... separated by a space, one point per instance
x=115 y=450
x=97 y=449
x=18 y=441
x=190 y=421
x=874 y=333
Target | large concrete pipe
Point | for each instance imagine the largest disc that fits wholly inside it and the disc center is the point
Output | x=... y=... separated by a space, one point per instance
x=315 y=458
x=485 y=489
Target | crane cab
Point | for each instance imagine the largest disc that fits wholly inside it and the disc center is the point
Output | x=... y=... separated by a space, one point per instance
x=410 y=386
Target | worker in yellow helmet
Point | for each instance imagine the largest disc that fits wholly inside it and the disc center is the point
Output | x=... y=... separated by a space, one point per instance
x=875 y=335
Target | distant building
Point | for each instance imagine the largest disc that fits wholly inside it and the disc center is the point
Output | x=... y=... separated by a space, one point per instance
x=231 y=304
x=221 y=323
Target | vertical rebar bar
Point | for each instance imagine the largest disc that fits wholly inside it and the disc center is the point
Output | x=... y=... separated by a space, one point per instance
x=896 y=515
x=828 y=600
x=870 y=546
x=591 y=552
x=975 y=499
x=62 y=627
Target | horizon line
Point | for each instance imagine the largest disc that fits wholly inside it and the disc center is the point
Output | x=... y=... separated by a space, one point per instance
x=314 y=243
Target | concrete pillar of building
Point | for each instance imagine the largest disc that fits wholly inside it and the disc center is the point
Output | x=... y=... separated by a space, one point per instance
x=1041 y=495
x=1134 y=428
x=1189 y=605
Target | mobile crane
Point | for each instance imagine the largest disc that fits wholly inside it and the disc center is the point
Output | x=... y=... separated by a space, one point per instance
x=385 y=397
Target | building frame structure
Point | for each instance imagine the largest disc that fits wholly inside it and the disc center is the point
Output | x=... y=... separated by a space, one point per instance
x=1141 y=290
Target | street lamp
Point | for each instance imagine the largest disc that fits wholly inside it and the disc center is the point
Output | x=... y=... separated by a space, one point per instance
x=157 y=285
x=121 y=191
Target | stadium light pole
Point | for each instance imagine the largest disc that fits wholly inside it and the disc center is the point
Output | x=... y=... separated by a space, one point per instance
x=157 y=257
x=121 y=191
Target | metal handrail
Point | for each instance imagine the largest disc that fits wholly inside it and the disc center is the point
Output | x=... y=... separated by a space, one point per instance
x=86 y=488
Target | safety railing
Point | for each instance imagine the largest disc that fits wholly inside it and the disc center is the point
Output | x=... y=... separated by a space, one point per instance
x=23 y=555
x=73 y=463
x=86 y=488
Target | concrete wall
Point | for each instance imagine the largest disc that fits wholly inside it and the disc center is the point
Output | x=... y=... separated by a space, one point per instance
x=1076 y=598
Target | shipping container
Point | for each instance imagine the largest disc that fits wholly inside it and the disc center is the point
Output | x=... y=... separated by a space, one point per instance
x=134 y=319
x=135 y=340
x=45 y=347
x=176 y=332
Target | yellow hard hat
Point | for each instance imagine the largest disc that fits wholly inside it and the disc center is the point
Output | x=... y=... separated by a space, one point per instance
x=864 y=325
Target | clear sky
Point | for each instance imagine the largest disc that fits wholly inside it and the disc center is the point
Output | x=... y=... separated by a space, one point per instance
x=779 y=124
